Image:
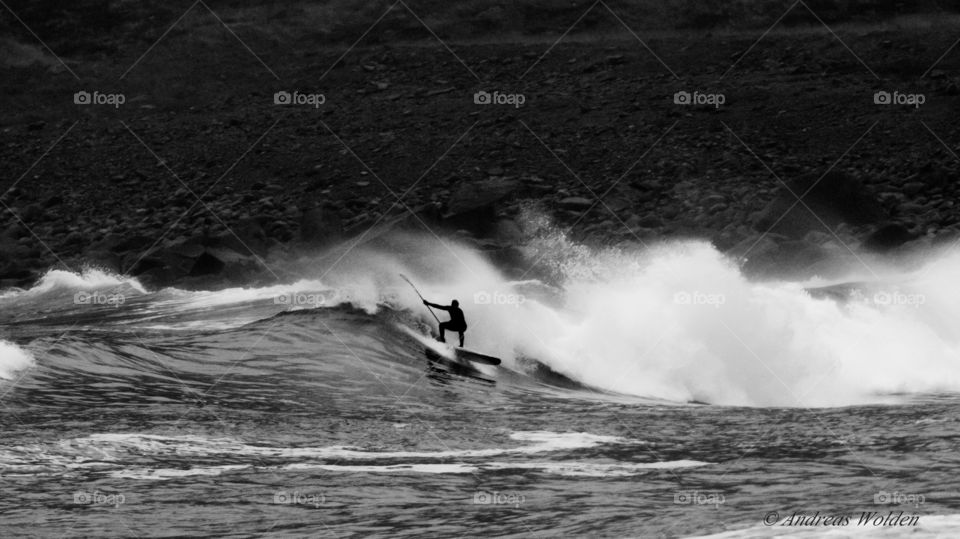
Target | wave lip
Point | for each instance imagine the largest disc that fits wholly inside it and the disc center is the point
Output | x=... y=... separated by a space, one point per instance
x=89 y=279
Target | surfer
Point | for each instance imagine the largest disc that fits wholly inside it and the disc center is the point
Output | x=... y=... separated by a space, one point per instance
x=456 y=323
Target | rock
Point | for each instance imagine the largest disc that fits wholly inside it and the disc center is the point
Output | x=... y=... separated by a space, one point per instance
x=14 y=271
x=508 y=232
x=670 y=211
x=156 y=203
x=616 y=204
x=888 y=237
x=650 y=221
x=576 y=203
x=191 y=248
x=281 y=231
x=728 y=238
x=226 y=255
x=206 y=264
x=714 y=200
x=913 y=188
x=774 y=256
x=106 y=260
x=31 y=213
x=143 y=265
x=136 y=242
x=14 y=232
x=74 y=239
x=910 y=207
x=473 y=205
x=52 y=201
x=320 y=226
x=757 y=247
x=837 y=198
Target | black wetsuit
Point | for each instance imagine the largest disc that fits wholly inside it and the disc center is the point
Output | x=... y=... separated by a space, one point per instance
x=456 y=323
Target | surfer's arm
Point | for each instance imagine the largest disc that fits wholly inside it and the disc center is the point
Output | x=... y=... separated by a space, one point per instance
x=435 y=306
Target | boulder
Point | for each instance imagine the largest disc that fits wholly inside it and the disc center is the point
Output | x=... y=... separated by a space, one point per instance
x=576 y=203
x=105 y=260
x=143 y=265
x=206 y=264
x=52 y=201
x=228 y=256
x=186 y=248
x=13 y=233
x=137 y=242
x=11 y=254
x=837 y=198
x=888 y=237
x=31 y=213
x=784 y=259
x=508 y=232
x=320 y=226
x=473 y=205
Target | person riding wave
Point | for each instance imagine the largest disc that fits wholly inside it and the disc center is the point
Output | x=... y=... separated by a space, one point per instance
x=456 y=323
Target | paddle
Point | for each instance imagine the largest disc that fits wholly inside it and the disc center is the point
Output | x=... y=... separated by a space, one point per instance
x=404 y=277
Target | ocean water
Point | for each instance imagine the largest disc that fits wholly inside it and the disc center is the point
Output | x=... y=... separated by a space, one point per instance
x=647 y=393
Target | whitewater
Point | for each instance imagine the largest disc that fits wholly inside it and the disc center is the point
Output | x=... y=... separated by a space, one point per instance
x=636 y=383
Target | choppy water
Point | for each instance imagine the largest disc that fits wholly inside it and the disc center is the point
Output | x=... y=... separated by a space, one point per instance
x=656 y=393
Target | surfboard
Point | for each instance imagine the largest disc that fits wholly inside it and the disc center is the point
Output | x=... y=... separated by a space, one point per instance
x=465 y=355
x=441 y=367
x=476 y=357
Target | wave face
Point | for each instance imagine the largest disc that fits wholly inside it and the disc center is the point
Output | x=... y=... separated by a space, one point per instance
x=235 y=409
x=675 y=321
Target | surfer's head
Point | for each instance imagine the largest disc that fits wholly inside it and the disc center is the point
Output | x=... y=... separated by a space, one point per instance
x=455 y=303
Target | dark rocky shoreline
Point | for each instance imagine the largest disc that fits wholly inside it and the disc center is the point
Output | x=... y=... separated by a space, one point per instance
x=244 y=180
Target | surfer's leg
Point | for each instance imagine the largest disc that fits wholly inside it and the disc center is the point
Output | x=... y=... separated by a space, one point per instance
x=443 y=328
x=461 y=339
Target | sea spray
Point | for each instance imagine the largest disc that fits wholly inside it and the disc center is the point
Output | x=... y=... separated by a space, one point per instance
x=12 y=359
